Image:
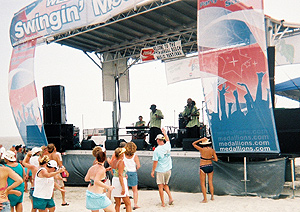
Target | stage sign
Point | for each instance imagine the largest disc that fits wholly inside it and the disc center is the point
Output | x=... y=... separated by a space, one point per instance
x=23 y=96
x=232 y=48
x=162 y=52
x=45 y=18
x=183 y=69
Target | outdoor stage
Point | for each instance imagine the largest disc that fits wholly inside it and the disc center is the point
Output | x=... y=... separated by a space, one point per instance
x=264 y=178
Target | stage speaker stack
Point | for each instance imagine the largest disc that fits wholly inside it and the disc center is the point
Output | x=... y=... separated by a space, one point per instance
x=140 y=144
x=187 y=144
x=61 y=135
x=288 y=130
x=54 y=107
x=112 y=144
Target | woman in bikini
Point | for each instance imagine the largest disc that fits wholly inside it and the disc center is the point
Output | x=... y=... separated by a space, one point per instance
x=207 y=155
x=6 y=172
x=96 y=198
x=119 y=181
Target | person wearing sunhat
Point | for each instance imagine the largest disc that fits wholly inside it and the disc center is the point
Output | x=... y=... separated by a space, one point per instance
x=162 y=165
x=154 y=124
x=208 y=154
x=16 y=202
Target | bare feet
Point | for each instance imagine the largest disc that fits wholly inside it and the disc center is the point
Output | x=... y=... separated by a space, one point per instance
x=212 y=198
x=163 y=205
x=204 y=201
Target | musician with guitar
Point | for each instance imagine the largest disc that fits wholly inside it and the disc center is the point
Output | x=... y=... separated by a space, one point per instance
x=191 y=119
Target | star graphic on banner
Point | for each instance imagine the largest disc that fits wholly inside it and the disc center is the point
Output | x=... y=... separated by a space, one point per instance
x=233 y=61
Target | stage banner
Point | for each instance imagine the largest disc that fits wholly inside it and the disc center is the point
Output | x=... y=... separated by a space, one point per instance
x=23 y=96
x=183 y=69
x=45 y=18
x=287 y=50
x=162 y=52
x=232 y=48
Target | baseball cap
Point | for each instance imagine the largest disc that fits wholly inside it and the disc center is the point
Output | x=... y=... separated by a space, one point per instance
x=160 y=136
x=52 y=164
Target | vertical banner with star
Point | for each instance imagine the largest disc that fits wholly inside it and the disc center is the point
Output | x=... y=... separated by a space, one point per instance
x=232 y=53
x=23 y=96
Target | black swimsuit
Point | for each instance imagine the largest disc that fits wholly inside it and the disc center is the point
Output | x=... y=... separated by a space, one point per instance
x=207 y=168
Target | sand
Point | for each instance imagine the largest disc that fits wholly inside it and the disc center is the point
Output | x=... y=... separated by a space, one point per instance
x=149 y=202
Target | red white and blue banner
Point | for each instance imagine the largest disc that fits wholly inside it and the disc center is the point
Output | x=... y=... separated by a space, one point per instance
x=45 y=18
x=38 y=23
x=232 y=53
x=23 y=96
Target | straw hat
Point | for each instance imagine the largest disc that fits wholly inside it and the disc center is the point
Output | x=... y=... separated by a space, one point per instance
x=205 y=141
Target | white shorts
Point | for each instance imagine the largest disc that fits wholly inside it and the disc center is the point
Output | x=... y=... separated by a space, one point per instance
x=116 y=192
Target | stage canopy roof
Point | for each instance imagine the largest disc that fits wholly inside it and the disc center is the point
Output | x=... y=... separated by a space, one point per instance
x=149 y=24
x=124 y=35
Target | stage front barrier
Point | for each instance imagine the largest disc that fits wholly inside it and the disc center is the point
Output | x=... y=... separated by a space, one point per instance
x=266 y=179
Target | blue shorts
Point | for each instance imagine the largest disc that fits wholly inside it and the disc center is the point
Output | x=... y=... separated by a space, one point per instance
x=39 y=203
x=14 y=199
x=5 y=207
x=132 y=179
x=96 y=201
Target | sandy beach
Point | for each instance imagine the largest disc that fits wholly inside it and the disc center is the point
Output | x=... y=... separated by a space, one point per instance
x=149 y=202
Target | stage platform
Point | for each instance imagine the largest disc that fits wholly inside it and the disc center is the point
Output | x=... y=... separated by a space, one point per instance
x=266 y=178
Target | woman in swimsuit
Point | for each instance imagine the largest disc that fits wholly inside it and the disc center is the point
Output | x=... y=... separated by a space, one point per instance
x=96 y=198
x=6 y=172
x=208 y=155
x=119 y=181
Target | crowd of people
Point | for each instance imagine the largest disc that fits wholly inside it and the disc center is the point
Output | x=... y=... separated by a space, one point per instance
x=42 y=167
x=108 y=178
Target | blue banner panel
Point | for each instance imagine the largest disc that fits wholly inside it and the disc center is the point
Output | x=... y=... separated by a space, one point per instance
x=232 y=52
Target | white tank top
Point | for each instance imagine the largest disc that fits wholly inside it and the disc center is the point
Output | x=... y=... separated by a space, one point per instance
x=43 y=187
x=130 y=164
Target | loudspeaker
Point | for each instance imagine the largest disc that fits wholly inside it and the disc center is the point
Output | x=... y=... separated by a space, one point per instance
x=55 y=114
x=61 y=134
x=54 y=108
x=187 y=144
x=88 y=144
x=181 y=136
x=54 y=95
x=288 y=130
x=112 y=144
x=140 y=144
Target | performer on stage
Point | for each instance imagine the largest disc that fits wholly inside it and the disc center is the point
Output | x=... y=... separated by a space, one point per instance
x=140 y=122
x=155 y=124
x=191 y=118
x=139 y=134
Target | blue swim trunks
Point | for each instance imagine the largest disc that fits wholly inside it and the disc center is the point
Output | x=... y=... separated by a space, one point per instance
x=39 y=203
x=14 y=199
x=132 y=179
x=96 y=201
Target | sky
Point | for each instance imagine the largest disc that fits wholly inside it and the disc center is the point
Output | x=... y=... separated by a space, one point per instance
x=82 y=79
